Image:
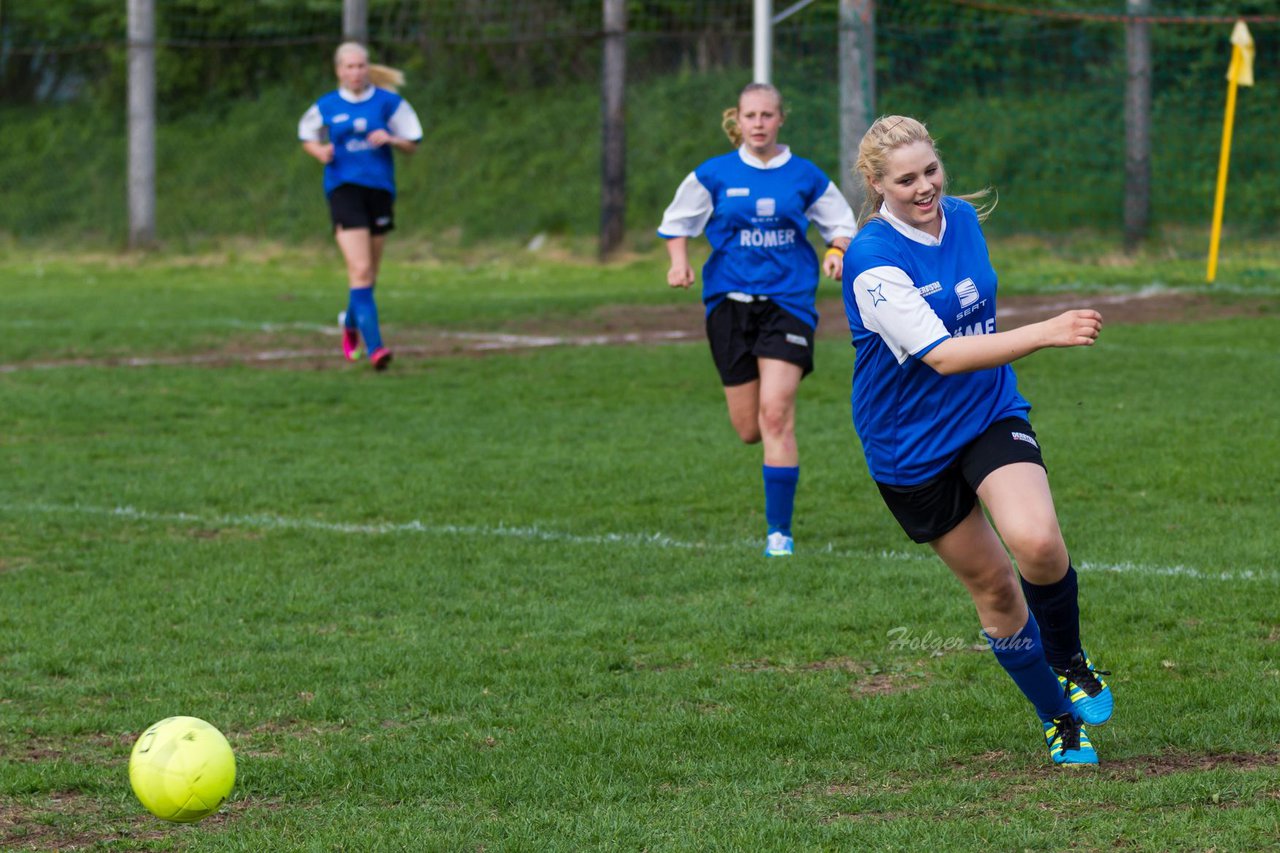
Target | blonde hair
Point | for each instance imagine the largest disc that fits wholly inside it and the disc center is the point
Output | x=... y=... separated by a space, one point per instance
x=382 y=76
x=886 y=135
x=729 y=118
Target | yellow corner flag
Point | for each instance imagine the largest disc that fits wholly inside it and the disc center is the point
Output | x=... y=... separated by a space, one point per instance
x=1242 y=41
x=1240 y=73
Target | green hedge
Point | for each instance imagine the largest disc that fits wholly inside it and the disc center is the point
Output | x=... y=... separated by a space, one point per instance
x=513 y=165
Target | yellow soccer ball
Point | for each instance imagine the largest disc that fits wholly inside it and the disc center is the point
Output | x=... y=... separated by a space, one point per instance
x=182 y=769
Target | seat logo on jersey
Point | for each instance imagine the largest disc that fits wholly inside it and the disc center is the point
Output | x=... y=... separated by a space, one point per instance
x=930 y=289
x=766 y=239
x=737 y=192
x=966 y=292
x=877 y=294
x=765 y=206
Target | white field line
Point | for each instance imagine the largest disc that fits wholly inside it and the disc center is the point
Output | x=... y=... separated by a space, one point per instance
x=488 y=341
x=263 y=521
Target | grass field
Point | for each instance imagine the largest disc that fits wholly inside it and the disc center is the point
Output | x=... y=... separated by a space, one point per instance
x=513 y=599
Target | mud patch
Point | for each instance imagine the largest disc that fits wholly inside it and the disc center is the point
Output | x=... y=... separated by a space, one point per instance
x=870 y=679
x=1135 y=769
x=627 y=325
x=70 y=820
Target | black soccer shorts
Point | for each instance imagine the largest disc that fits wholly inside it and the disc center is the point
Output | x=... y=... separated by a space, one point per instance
x=741 y=332
x=934 y=507
x=354 y=206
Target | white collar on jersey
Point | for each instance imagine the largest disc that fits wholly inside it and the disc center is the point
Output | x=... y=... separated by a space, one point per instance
x=912 y=233
x=782 y=158
x=352 y=98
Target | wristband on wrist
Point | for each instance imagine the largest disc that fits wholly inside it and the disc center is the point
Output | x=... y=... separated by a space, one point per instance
x=833 y=250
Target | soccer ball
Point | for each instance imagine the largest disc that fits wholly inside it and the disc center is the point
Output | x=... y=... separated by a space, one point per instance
x=182 y=769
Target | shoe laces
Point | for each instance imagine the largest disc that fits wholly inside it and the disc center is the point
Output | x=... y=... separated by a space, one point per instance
x=1084 y=676
x=1067 y=729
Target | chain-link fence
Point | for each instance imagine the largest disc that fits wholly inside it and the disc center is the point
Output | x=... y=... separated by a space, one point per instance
x=1025 y=97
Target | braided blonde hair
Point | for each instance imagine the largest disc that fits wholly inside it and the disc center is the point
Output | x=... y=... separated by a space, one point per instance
x=729 y=118
x=887 y=134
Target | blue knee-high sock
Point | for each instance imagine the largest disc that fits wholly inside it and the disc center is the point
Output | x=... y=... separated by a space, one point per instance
x=366 y=315
x=1057 y=609
x=780 y=497
x=1022 y=656
x=349 y=316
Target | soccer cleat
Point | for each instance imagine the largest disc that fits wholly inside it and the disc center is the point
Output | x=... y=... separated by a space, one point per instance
x=1090 y=696
x=779 y=545
x=1068 y=741
x=381 y=357
x=350 y=339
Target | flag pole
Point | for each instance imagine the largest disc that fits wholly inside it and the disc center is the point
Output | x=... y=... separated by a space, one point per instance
x=1240 y=73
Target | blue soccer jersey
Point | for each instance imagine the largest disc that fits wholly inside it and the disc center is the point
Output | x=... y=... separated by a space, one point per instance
x=349 y=119
x=905 y=292
x=756 y=216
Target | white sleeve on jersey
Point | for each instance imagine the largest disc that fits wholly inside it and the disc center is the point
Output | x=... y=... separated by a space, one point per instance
x=311 y=125
x=689 y=211
x=832 y=214
x=891 y=307
x=404 y=123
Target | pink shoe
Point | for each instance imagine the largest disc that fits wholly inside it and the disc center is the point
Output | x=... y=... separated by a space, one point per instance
x=350 y=339
x=381 y=357
x=351 y=344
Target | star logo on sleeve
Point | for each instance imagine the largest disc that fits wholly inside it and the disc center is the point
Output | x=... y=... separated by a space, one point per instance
x=877 y=294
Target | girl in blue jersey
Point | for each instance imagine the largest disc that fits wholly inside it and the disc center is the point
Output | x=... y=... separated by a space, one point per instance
x=760 y=282
x=364 y=120
x=945 y=431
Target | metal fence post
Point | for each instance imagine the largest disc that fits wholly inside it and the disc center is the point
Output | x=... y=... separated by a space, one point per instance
x=142 y=123
x=613 y=131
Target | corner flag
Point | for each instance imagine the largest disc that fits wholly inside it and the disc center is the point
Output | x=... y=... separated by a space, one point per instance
x=1240 y=73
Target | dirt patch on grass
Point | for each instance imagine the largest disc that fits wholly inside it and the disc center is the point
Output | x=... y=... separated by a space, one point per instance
x=869 y=680
x=839 y=664
x=1127 y=308
x=882 y=684
x=627 y=325
x=69 y=820
x=995 y=765
x=1168 y=764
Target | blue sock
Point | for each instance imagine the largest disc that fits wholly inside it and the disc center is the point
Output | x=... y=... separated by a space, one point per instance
x=1022 y=656
x=780 y=497
x=1057 y=609
x=365 y=311
x=349 y=316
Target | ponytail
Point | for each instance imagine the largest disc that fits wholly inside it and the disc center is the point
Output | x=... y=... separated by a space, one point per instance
x=729 y=123
x=385 y=77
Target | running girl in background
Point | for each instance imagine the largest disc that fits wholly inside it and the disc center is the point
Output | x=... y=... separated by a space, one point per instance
x=760 y=282
x=945 y=431
x=352 y=131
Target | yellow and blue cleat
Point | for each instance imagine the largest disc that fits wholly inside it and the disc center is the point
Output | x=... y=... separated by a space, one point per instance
x=779 y=545
x=1068 y=741
x=1090 y=696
